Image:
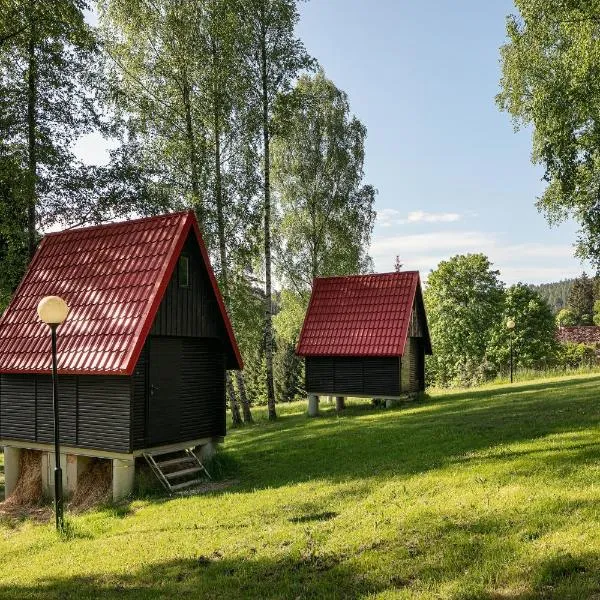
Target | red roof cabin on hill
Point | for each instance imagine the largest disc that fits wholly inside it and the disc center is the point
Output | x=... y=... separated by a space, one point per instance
x=365 y=335
x=142 y=354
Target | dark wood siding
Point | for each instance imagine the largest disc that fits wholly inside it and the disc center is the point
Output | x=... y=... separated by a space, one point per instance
x=18 y=407
x=191 y=372
x=413 y=365
x=138 y=401
x=203 y=410
x=351 y=375
x=94 y=410
x=104 y=412
x=192 y=311
x=67 y=406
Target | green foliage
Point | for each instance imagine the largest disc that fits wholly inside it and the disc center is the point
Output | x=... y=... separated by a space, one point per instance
x=246 y=306
x=290 y=316
x=550 y=81
x=13 y=228
x=326 y=212
x=48 y=75
x=289 y=372
x=534 y=336
x=289 y=368
x=555 y=294
x=573 y=356
x=566 y=318
x=581 y=299
x=464 y=300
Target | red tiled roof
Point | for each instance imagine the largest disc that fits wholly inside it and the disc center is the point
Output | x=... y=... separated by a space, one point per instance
x=359 y=315
x=580 y=334
x=113 y=278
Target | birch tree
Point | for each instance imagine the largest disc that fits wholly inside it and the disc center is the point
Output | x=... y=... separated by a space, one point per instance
x=326 y=213
x=274 y=56
x=47 y=59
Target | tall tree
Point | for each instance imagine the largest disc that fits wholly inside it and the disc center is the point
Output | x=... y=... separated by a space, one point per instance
x=550 y=81
x=47 y=81
x=274 y=56
x=177 y=71
x=581 y=299
x=534 y=336
x=158 y=72
x=13 y=226
x=326 y=212
x=464 y=300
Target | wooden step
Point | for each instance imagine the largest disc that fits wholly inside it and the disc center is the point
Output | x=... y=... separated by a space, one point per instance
x=183 y=472
x=185 y=484
x=174 y=461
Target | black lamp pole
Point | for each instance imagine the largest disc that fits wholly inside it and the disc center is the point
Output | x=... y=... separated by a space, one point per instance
x=58 y=495
x=511 y=356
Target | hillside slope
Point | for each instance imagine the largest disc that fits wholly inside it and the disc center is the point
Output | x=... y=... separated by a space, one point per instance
x=481 y=494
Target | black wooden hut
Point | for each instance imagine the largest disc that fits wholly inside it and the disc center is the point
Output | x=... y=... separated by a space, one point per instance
x=143 y=353
x=365 y=336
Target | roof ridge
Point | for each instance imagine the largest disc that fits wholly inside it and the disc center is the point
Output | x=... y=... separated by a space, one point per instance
x=356 y=275
x=115 y=223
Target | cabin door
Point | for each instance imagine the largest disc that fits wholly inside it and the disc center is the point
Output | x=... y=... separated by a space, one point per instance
x=164 y=386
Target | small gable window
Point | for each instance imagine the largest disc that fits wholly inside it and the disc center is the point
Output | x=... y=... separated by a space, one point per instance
x=183 y=271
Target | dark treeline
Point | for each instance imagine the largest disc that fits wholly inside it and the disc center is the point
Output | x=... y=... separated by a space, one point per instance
x=556 y=294
x=213 y=105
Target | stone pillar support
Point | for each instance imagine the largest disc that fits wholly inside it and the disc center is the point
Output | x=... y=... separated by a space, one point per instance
x=340 y=403
x=48 y=466
x=313 y=405
x=206 y=452
x=12 y=460
x=123 y=473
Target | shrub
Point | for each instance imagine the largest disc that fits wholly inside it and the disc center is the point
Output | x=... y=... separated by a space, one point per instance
x=566 y=318
x=574 y=356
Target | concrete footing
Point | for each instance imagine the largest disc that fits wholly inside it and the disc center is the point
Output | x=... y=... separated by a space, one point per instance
x=73 y=465
x=206 y=452
x=48 y=467
x=123 y=476
x=313 y=405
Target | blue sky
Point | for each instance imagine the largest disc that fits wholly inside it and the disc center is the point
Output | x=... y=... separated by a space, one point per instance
x=452 y=175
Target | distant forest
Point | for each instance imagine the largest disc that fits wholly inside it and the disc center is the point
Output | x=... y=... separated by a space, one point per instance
x=556 y=294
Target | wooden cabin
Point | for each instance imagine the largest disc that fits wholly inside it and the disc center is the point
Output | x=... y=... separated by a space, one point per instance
x=365 y=336
x=142 y=355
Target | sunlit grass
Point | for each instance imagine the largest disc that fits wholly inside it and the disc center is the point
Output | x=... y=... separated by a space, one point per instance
x=487 y=493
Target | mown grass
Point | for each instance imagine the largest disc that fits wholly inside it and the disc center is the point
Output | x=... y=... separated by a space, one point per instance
x=490 y=493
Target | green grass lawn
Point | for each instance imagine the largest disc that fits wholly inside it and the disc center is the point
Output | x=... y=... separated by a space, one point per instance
x=492 y=493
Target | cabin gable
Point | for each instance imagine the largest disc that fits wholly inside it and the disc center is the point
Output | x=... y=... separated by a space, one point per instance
x=191 y=310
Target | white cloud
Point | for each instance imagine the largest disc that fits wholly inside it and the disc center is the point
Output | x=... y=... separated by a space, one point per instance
x=529 y=262
x=420 y=216
x=387 y=217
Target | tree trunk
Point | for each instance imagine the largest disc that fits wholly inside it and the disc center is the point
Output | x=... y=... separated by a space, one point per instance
x=219 y=205
x=241 y=385
x=267 y=234
x=193 y=152
x=236 y=418
x=31 y=130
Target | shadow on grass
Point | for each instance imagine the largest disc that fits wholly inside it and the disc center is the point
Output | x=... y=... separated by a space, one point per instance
x=367 y=442
x=315 y=575
x=310 y=576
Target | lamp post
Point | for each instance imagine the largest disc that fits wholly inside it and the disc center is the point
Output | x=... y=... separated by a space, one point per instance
x=53 y=310
x=510 y=325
